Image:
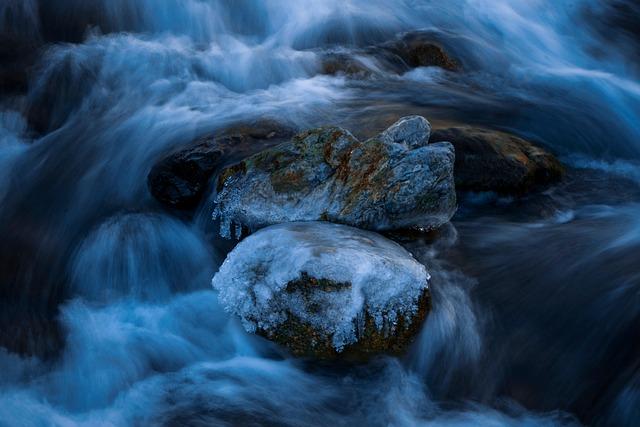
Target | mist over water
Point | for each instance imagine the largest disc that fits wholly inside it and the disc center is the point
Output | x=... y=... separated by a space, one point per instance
x=107 y=316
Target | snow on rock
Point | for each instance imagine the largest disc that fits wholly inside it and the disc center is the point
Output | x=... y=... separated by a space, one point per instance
x=322 y=289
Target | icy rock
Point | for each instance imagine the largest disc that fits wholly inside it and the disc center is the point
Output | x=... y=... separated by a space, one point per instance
x=325 y=290
x=414 y=131
x=394 y=181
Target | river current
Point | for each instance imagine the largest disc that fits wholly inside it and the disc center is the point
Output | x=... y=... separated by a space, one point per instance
x=107 y=315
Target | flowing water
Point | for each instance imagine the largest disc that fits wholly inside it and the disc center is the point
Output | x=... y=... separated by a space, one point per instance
x=107 y=313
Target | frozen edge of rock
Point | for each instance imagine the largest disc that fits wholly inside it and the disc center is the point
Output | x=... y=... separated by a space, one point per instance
x=329 y=283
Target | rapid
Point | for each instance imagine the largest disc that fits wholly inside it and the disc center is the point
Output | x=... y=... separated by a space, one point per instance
x=107 y=314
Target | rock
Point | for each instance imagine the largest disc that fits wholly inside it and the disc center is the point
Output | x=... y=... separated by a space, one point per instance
x=326 y=174
x=180 y=179
x=342 y=63
x=412 y=50
x=488 y=160
x=325 y=290
x=417 y=49
x=413 y=131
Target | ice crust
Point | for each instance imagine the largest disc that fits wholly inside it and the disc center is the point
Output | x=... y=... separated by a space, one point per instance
x=378 y=276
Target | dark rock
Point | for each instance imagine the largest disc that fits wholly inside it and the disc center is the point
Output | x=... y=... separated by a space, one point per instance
x=488 y=160
x=396 y=180
x=180 y=179
x=343 y=63
x=417 y=49
x=412 y=50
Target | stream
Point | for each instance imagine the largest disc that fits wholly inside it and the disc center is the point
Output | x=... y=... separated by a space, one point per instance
x=107 y=314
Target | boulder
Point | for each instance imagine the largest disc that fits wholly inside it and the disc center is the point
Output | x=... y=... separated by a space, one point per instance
x=393 y=181
x=488 y=160
x=334 y=63
x=411 y=131
x=181 y=178
x=412 y=50
x=325 y=290
x=418 y=49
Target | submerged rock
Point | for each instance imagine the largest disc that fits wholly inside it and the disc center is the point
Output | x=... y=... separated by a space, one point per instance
x=325 y=290
x=393 y=181
x=418 y=49
x=333 y=63
x=488 y=160
x=180 y=179
x=412 y=50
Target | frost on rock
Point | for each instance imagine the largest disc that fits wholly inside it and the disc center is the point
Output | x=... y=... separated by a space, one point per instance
x=393 y=181
x=331 y=278
x=414 y=131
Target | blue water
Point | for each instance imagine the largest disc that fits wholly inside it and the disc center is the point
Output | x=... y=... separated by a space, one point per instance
x=107 y=316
